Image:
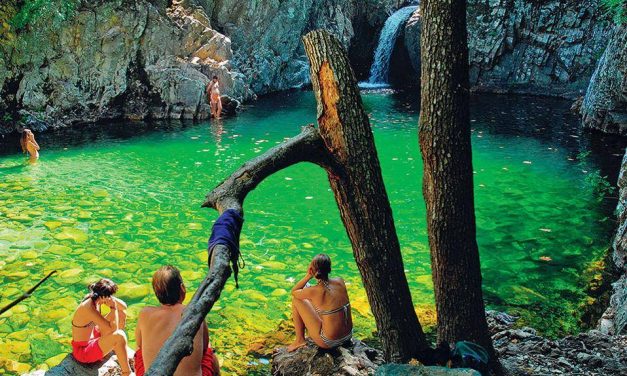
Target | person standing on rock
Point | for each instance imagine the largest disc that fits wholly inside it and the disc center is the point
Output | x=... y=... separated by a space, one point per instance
x=29 y=145
x=95 y=335
x=215 y=103
x=324 y=309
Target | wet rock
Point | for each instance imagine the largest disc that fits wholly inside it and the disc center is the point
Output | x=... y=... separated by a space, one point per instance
x=605 y=104
x=614 y=319
x=352 y=360
x=412 y=40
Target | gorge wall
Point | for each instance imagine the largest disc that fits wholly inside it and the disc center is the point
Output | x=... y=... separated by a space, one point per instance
x=141 y=59
x=531 y=47
x=605 y=105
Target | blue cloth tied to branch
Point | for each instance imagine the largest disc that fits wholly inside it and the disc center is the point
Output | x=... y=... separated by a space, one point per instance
x=226 y=231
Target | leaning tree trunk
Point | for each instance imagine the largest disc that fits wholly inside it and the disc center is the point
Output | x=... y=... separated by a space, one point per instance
x=360 y=194
x=448 y=181
x=344 y=147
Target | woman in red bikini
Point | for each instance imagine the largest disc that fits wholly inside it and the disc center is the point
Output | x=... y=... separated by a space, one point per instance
x=95 y=335
x=323 y=309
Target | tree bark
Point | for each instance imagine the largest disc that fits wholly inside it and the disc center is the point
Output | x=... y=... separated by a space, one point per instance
x=361 y=197
x=444 y=133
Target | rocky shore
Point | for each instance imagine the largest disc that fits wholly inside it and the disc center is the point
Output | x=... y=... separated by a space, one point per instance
x=151 y=59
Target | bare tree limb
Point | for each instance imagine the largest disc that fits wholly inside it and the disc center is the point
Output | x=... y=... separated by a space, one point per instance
x=27 y=294
x=230 y=194
x=306 y=147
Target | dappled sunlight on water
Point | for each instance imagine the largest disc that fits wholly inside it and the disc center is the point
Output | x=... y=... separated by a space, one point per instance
x=123 y=201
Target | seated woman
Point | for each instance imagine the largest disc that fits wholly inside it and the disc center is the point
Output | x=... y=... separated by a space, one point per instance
x=95 y=335
x=323 y=309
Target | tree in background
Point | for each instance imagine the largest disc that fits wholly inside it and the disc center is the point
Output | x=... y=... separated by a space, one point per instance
x=444 y=133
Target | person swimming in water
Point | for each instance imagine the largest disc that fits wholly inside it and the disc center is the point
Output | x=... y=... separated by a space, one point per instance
x=95 y=335
x=29 y=145
x=323 y=309
x=215 y=103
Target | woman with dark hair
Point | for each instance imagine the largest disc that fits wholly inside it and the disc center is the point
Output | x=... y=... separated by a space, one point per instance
x=323 y=309
x=95 y=335
x=29 y=145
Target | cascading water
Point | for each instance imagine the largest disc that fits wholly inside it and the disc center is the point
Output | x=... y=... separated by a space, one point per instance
x=380 y=69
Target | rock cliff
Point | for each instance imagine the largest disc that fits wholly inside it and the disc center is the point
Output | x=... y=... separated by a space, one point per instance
x=614 y=320
x=150 y=59
x=533 y=47
x=605 y=104
x=121 y=59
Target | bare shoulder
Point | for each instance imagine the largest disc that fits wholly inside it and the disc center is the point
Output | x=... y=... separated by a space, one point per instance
x=146 y=312
x=338 y=281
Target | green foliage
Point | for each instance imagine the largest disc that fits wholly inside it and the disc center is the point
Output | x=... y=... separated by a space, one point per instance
x=7 y=12
x=53 y=12
x=617 y=9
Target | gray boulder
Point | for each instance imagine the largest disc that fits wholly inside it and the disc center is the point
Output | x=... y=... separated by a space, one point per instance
x=356 y=359
x=70 y=367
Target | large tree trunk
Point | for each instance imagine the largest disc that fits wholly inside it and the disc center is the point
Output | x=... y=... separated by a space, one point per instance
x=361 y=197
x=448 y=174
x=345 y=148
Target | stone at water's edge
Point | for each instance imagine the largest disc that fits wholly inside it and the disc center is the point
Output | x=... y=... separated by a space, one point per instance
x=614 y=319
x=409 y=370
x=70 y=367
x=605 y=104
x=355 y=360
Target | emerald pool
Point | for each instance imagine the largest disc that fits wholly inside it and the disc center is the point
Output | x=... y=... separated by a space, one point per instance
x=120 y=200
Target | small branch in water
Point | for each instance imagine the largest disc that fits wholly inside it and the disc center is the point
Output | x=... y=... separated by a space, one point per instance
x=26 y=294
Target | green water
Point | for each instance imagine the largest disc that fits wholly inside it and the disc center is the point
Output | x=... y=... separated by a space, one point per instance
x=119 y=201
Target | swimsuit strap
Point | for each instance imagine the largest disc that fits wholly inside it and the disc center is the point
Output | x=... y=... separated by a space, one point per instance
x=91 y=323
x=331 y=311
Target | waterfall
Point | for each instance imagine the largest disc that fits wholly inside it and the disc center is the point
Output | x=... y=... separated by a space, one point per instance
x=380 y=69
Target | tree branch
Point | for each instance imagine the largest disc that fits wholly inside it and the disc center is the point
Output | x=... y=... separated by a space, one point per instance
x=230 y=194
x=306 y=147
x=26 y=294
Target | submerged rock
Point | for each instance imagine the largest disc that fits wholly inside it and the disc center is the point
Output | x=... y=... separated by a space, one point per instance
x=411 y=370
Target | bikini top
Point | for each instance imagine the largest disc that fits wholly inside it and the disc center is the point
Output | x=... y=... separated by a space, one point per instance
x=335 y=310
x=89 y=324
x=343 y=308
